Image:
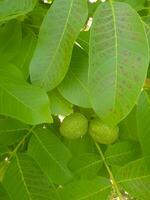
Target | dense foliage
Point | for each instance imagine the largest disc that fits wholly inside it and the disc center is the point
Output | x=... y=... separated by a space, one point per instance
x=74 y=100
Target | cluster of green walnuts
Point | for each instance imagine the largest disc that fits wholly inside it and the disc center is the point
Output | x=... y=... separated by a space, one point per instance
x=76 y=125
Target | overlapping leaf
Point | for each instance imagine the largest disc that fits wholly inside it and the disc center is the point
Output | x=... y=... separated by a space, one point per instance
x=143 y=119
x=122 y=153
x=20 y=100
x=119 y=58
x=28 y=183
x=86 y=165
x=128 y=127
x=98 y=188
x=136 y=4
x=58 y=33
x=59 y=105
x=75 y=85
x=11 y=131
x=3 y=193
x=51 y=155
x=23 y=57
x=135 y=178
x=10 y=40
x=11 y=9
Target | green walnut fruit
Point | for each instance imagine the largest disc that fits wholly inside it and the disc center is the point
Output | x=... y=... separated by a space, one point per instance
x=74 y=126
x=102 y=133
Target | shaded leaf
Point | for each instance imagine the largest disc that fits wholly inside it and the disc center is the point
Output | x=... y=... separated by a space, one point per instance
x=3 y=193
x=11 y=9
x=83 y=40
x=75 y=85
x=136 y=4
x=11 y=131
x=121 y=153
x=10 y=40
x=143 y=119
x=128 y=127
x=86 y=165
x=23 y=58
x=59 y=105
x=84 y=144
x=98 y=188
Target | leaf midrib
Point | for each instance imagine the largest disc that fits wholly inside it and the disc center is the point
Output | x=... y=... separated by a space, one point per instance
x=22 y=177
x=59 y=44
x=50 y=155
x=80 y=82
x=17 y=99
x=116 y=47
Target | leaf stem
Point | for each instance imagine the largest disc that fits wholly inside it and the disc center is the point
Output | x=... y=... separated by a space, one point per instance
x=109 y=171
x=20 y=143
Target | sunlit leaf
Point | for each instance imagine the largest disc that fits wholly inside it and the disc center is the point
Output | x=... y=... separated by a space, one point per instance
x=119 y=58
x=20 y=100
x=58 y=33
x=135 y=179
x=28 y=180
x=51 y=155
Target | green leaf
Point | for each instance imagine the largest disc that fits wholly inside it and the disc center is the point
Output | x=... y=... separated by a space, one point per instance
x=75 y=85
x=4 y=164
x=21 y=100
x=11 y=9
x=86 y=165
x=35 y=17
x=136 y=4
x=3 y=151
x=119 y=58
x=28 y=183
x=51 y=155
x=121 y=153
x=96 y=189
x=58 y=33
x=24 y=56
x=135 y=179
x=83 y=40
x=128 y=127
x=3 y=193
x=92 y=7
x=11 y=131
x=84 y=144
x=143 y=113
x=59 y=105
x=10 y=40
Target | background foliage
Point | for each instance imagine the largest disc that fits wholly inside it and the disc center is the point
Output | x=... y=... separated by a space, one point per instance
x=53 y=62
